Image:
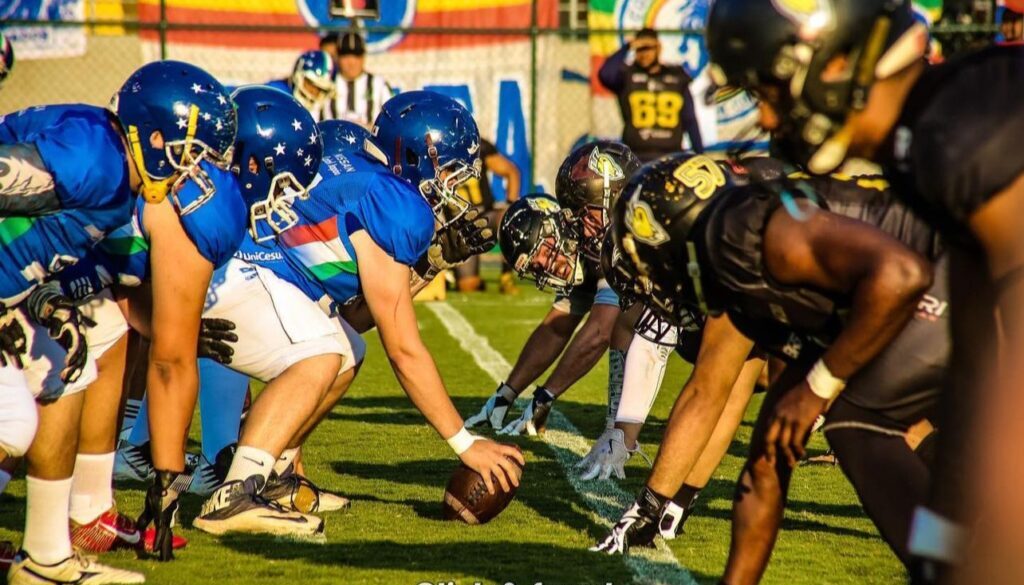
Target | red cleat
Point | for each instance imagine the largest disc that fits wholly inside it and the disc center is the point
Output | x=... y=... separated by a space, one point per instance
x=110 y=531
x=149 y=536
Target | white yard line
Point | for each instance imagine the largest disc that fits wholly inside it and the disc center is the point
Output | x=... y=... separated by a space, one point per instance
x=604 y=499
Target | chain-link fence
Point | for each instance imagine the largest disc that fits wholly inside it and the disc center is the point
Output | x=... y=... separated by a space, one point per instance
x=524 y=67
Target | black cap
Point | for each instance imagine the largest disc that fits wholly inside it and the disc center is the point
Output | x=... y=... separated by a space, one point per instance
x=351 y=43
x=647 y=33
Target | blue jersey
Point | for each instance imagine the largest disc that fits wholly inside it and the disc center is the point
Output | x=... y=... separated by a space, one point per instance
x=82 y=150
x=352 y=192
x=216 y=228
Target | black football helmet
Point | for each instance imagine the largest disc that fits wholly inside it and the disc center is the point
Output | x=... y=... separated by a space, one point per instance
x=652 y=223
x=588 y=182
x=538 y=240
x=786 y=46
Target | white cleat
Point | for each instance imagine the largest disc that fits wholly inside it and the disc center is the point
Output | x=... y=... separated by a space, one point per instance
x=236 y=508
x=76 y=569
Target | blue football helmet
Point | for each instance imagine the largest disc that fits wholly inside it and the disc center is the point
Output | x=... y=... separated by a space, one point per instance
x=431 y=141
x=277 y=154
x=313 y=79
x=343 y=136
x=6 y=57
x=175 y=115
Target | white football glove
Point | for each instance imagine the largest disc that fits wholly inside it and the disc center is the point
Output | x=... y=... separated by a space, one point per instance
x=495 y=409
x=637 y=527
x=608 y=455
x=534 y=417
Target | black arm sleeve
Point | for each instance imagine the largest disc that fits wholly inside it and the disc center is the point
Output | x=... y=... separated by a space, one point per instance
x=613 y=73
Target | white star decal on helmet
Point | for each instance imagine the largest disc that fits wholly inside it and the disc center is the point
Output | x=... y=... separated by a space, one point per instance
x=299 y=152
x=182 y=123
x=350 y=139
x=207 y=116
x=308 y=161
x=196 y=88
x=222 y=100
x=279 y=149
x=220 y=125
x=296 y=125
x=312 y=138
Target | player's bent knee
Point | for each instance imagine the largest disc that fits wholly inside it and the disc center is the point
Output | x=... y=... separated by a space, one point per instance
x=18 y=420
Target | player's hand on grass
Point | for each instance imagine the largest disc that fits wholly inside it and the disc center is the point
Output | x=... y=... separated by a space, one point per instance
x=160 y=504
x=791 y=422
x=607 y=457
x=534 y=419
x=495 y=461
x=495 y=409
x=48 y=306
x=215 y=339
x=637 y=527
x=12 y=339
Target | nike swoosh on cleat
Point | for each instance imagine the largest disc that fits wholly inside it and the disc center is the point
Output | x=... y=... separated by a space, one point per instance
x=297 y=520
x=129 y=537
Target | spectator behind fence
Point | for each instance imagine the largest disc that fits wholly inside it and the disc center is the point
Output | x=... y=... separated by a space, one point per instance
x=654 y=98
x=359 y=94
x=1012 y=26
x=478 y=192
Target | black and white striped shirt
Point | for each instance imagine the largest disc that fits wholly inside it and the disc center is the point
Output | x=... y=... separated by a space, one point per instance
x=360 y=99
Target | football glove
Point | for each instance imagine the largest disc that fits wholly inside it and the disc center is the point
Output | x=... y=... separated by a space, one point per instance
x=160 y=506
x=535 y=416
x=608 y=456
x=637 y=527
x=215 y=339
x=48 y=306
x=495 y=409
x=454 y=244
x=13 y=342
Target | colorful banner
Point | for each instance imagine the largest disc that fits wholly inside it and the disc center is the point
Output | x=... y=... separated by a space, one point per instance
x=44 y=42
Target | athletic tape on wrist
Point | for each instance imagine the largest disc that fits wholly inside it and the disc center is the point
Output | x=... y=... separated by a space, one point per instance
x=823 y=383
x=461 y=441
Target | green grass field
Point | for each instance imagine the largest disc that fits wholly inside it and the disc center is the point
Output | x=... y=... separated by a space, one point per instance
x=376 y=448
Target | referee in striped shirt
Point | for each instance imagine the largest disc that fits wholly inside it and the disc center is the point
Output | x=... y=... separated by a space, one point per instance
x=359 y=94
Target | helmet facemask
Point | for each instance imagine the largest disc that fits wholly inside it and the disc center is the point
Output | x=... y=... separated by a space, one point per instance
x=276 y=210
x=441 y=192
x=554 y=261
x=312 y=98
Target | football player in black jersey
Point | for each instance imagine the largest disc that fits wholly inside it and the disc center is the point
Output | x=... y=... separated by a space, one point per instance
x=824 y=274
x=654 y=98
x=846 y=78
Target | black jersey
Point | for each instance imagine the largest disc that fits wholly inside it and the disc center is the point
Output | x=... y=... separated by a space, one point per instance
x=957 y=142
x=793 y=323
x=657 y=108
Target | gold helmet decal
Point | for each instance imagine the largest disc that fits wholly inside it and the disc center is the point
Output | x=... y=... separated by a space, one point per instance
x=604 y=165
x=810 y=15
x=542 y=204
x=701 y=174
x=641 y=223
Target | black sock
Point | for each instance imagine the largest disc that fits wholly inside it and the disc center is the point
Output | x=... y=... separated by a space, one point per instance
x=686 y=497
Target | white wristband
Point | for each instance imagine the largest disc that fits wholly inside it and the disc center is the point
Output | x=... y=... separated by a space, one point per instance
x=461 y=441
x=823 y=383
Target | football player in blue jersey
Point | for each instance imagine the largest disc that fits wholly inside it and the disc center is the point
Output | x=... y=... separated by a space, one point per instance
x=311 y=82
x=80 y=166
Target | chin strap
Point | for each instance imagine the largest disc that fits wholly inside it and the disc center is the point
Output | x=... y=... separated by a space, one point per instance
x=156 y=190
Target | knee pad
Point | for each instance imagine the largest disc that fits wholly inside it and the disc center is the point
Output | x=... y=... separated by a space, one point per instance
x=18 y=417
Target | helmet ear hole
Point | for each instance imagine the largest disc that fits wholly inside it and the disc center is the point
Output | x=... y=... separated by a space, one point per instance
x=411 y=158
x=254 y=165
x=156 y=139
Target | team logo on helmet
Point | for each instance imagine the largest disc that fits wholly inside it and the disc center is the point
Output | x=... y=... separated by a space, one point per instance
x=542 y=204
x=812 y=14
x=605 y=166
x=701 y=174
x=641 y=223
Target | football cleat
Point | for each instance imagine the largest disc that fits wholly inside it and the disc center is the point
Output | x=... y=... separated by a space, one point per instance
x=534 y=419
x=133 y=463
x=7 y=554
x=207 y=476
x=110 y=530
x=296 y=492
x=237 y=507
x=495 y=409
x=77 y=569
x=637 y=527
x=608 y=456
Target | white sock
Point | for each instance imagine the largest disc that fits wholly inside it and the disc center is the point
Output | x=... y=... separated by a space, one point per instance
x=250 y=461
x=646 y=362
x=91 y=491
x=285 y=460
x=5 y=478
x=47 y=538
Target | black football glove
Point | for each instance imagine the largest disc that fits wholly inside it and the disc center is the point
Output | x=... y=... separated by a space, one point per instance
x=12 y=339
x=637 y=527
x=215 y=339
x=161 y=504
x=454 y=244
x=48 y=306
